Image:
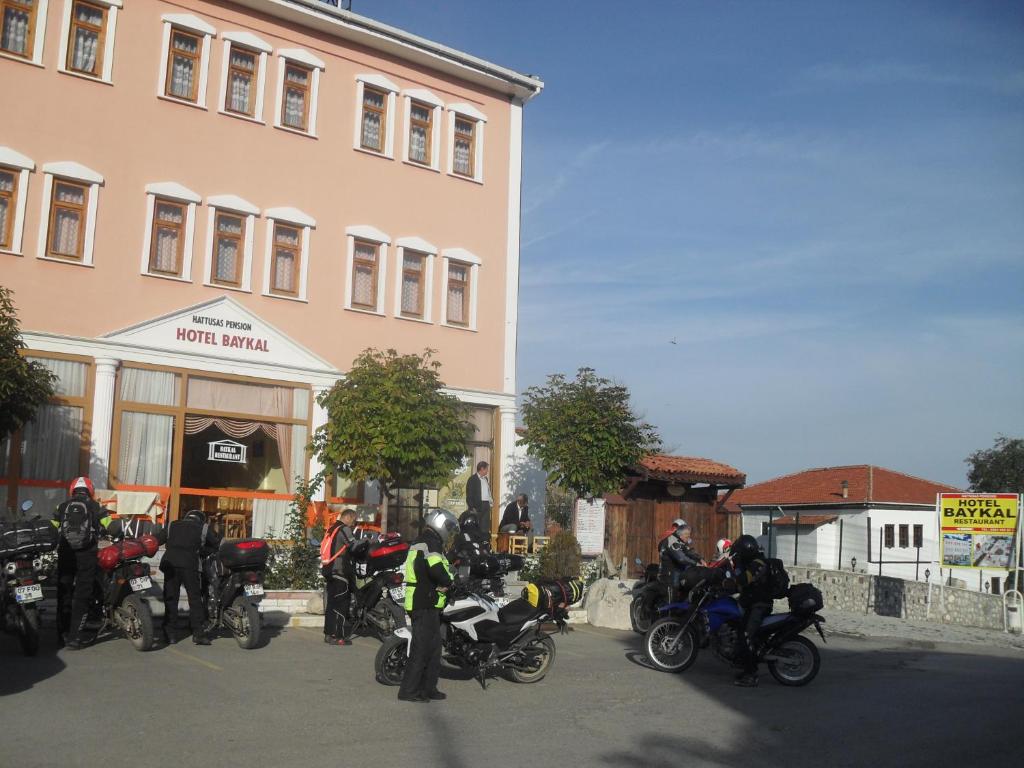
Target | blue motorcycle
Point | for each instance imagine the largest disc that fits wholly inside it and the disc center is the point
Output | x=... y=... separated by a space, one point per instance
x=710 y=618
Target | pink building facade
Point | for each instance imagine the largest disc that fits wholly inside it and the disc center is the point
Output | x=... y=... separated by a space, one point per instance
x=208 y=209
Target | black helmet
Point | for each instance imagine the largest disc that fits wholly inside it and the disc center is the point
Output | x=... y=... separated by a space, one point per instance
x=745 y=548
x=469 y=519
x=196 y=515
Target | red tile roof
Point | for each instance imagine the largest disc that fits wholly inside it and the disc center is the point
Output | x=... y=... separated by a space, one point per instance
x=866 y=483
x=690 y=469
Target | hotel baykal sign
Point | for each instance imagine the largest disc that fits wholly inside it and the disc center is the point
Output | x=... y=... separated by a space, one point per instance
x=221 y=328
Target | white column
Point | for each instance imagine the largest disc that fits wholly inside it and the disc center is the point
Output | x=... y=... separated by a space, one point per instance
x=319 y=419
x=102 y=420
x=515 y=177
x=506 y=456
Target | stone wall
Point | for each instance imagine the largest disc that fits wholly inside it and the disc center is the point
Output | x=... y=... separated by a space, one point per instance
x=886 y=596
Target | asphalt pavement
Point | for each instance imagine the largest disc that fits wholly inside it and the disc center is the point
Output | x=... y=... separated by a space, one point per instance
x=298 y=702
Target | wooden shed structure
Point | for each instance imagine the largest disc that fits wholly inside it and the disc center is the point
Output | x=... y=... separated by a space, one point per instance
x=659 y=490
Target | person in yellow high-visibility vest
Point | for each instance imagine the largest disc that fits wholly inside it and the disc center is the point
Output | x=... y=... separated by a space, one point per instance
x=427 y=578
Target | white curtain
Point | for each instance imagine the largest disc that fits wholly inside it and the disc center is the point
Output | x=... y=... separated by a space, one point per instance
x=86 y=40
x=52 y=443
x=154 y=387
x=301 y=407
x=70 y=375
x=456 y=303
x=418 y=143
x=268 y=516
x=6 y=186
x=15 y=32
x=462 y=160
x=241 y=82
x=147 y=443
x=295 y=98
x=183 y=67
x=371 y=129
x=297 y=464
x=64 y=239
x=165 y=247
x=240 y=397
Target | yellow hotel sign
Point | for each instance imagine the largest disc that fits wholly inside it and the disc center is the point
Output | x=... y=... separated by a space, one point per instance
x=977 y=529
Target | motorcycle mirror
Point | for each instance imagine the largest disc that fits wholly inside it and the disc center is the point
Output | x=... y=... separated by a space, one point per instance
x=26 y=505
x=638 y=561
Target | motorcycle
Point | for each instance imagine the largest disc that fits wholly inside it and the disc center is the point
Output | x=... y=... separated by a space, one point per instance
x=648 y=594
x=378 y=595
x=233 y=585
x=711 y=618
x=126 y=600
x=479 y=636
x=22 y=571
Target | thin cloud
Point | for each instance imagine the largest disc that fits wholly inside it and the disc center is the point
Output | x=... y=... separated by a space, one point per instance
x=898 y=73
x=554 y=188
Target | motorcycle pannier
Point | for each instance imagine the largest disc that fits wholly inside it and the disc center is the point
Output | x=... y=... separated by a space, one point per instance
x=110 y=557
x=805 y=598
x=549 y=594
x=244 y=553
x=390 y=552
x=26 y=536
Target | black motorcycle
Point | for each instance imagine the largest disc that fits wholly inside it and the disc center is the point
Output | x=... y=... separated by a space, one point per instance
x=378 y=594
x=126 y=600
x=22 y=571
x=649 y=594
x=233 y=585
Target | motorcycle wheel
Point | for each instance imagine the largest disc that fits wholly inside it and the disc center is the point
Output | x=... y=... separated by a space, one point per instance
x=137 y=622
x=638 y=617
x=656 y=640
x=29 y=631
x=247 y=628
x=540 y=652
x=799 y=662
x=389 y=664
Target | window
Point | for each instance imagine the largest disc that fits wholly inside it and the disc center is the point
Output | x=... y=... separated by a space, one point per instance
x=68 y=224
x=890 y=531
x=287 y=255
x=420 y=133
x=414 y=279
x=14 y=170
x=229 y=242
x=918 y=536
x=413 y=282
x=298 y=82
x=186 y=57
x=460 y=279
x=367 y=265
x=241 y=96
x=23 y=30
x=375 y=96
x=765 y=528
x=465 y=156
x=87 y=41
x=904 y=536
x=170 y=229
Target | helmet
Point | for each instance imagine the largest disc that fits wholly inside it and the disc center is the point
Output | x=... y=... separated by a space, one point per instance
x=468 y=519
x=443 y=523
x=745 y=548
x=678 y=523
x=81 y=484
x=723 y=546
x=196 y=515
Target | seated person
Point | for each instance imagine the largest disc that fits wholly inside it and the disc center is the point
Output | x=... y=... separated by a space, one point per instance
x=516 y=517
x=677 y=554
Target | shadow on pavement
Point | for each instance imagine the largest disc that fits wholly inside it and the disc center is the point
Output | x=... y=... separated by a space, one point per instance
x=18 y=672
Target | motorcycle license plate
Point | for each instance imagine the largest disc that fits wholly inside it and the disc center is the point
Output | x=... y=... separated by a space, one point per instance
x=252 y=590
x=141 y=584
x=29 y=593
x=397 y=593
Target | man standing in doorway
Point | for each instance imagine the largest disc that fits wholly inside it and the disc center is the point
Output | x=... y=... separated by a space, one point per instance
x=478 y=496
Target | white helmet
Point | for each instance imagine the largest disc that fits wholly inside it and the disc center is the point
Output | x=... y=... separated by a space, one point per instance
x=444 y=524
x=678 y=523
x=723 y=546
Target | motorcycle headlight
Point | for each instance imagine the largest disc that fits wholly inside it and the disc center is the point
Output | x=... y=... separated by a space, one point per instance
x=37 y=564
x=11 y=568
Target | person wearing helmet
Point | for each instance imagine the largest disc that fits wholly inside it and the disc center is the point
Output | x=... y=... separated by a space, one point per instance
x=677 y=554
x=755 y=599
x=338 y=571
x=471 y=543
x=427 y=578
x=187 y=540
x=80 y=520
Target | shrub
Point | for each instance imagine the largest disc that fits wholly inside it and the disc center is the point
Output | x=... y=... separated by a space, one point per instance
x=295 y=562
x=560 y=558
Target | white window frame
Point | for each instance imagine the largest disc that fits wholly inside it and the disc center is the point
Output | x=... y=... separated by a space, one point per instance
x=373 y=235
x=467 y=112
x=170 y=190
x=461 y=256
x=424 y=97
x=298 y=56
x=236 y=205
x=419 y=245
x=36 y=58
x=188 y=23
x=295 y=218
x=262 y=49
x=76 y=172
x=108 y=40
x=381 y=83
x=15 y=161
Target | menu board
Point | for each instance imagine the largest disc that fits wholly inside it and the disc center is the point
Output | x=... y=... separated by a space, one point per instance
x=589 y=526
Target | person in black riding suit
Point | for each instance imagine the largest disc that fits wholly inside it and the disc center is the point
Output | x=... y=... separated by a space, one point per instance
x=752 y=582
x=339 y=578
x=677 y=554
x=471 y=543
x=188 y=540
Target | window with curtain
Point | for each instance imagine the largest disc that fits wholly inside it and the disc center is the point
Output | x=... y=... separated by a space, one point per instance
x=141 y=385
x=227 y=249
x=8 y=198
x=287 y=254
x=19 y=20
x=71 y=375
x=364 y=275
x=413 y=264
x=183 y=65
x=374 y=119
x=458 y=294
x=168 y=237
x=147 y=445
x=904 y=536
x=241 y=81
x=85 y=46
x=52 y=443
x=67 y=219
x=240 y=397
x=420 y=129
x=295 y=106
x=464 y=151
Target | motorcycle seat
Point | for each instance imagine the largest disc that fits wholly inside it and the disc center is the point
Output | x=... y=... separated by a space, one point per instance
x=517 y=612
x=774 y=619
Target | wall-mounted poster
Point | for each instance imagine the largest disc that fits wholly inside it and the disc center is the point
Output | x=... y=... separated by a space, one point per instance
x=977 y=529
x=589 y=526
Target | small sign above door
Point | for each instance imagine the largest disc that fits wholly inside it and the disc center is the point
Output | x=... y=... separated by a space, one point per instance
x=227 y=450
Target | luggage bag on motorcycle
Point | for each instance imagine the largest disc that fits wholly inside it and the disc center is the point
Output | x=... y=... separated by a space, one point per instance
x=551 y=593
x=244 y=553
x=386 y=554
x=805 y=599
x=129 y=549
x=24 y=536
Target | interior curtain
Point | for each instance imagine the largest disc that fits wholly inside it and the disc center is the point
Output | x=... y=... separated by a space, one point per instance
x=231 y=427
x=182 y=67
x=298 y=454
x=52 y=441
x=268 y=517
x=70 y=375
x=15 y=32
x=147 y=443
x=239 y=397
x=86 y=40
x=418 y=143
x=241 y=83
x=153 y=387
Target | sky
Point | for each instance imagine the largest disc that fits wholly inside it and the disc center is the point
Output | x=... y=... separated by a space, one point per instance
x=794 y=230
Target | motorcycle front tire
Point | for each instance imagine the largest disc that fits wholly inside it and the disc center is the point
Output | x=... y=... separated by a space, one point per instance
x=657 y=637
x=248 y=613
x=389 y=664
x=28 y=631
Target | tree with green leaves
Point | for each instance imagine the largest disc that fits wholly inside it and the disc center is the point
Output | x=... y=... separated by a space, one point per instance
x=999 y=469
x=25 y=385
x=390 y=420
x=585 y=432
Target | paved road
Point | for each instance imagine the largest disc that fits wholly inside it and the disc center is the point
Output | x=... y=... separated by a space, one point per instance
x=298 y=702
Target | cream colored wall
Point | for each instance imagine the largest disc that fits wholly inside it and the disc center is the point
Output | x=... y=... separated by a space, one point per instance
x=133 y=138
